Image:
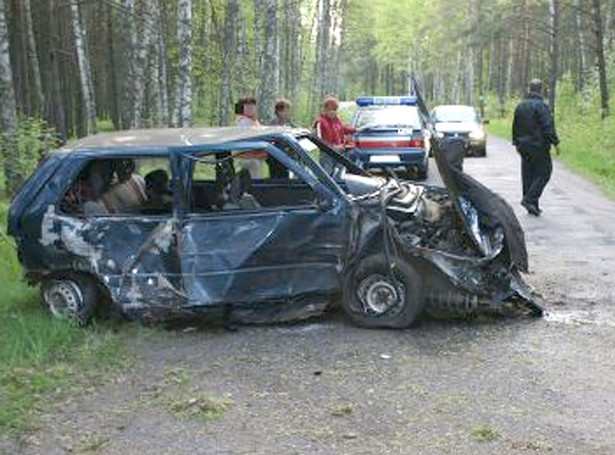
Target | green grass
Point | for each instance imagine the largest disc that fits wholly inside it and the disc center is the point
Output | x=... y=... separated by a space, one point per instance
x=484 y=433
x=42 y=358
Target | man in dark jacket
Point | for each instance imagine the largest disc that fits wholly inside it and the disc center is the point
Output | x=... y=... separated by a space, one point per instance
x=533 y=133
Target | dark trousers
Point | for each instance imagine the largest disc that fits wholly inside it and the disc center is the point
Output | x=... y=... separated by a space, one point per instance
x=536 y=169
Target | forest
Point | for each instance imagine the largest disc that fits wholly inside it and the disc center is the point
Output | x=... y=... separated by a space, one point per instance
x=69 y=68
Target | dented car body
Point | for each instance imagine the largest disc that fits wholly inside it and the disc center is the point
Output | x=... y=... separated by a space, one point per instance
x=273 y=247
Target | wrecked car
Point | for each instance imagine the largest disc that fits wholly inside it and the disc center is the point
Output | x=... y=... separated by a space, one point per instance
x=163 y=223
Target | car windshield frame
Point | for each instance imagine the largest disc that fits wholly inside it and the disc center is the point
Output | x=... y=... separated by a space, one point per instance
x=387 y=116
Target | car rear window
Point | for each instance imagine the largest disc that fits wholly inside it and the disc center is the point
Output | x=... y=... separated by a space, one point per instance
x=388 y=116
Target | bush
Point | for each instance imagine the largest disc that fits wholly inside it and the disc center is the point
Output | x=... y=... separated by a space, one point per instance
x=33 y=140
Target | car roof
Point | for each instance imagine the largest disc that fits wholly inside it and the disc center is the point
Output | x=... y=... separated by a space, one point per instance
x=175 y=137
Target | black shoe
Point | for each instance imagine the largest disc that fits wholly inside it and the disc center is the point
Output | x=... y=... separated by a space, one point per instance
x=531 y=208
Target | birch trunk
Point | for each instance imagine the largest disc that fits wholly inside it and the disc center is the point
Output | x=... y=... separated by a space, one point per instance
x=271 y=61
x=129 y=44
x=184 y=82
x=259 y=8
x=598 y=29
x=582 y=47
x=142 y=44
x=58 y=109
x=33 y=59
x=554 y=19
x=85 y=74
x=114 y=97
x=163 y=81
x=228 y=64
x=8 y=109
x=295 y=61
x=322 y=49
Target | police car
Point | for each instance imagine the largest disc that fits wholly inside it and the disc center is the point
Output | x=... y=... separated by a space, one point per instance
x=392 y=134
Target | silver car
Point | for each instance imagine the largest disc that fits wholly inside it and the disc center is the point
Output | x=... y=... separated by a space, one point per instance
x=462 y=122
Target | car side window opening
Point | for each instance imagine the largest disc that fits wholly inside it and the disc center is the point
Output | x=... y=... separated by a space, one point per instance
x=223 y=182
x=120 y=186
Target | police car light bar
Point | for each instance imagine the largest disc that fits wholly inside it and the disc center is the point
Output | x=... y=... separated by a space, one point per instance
x=386 y=100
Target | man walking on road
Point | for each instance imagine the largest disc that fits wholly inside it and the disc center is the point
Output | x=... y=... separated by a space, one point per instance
x=533 y=134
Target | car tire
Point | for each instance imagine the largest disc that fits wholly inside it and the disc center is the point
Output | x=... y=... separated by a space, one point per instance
x=71 y=296
x=481 y=152
x=379 y=296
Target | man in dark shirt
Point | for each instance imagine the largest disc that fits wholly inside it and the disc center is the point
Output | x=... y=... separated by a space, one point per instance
x=533 y=133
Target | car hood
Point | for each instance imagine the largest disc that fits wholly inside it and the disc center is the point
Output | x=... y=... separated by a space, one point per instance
x=446 y=127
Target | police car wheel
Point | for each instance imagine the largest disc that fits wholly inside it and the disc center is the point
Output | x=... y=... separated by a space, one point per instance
x=378 y=296
x=71 y=296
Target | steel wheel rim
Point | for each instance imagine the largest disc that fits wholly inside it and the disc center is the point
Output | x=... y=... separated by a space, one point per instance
x=64 y=299
x=380 y=294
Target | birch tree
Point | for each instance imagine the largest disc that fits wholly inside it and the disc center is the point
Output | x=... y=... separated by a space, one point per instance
x=582 y=47
x=268 y=89
x=8 y=110
x=554 y=18
x=183 y=103
x=228 y=63
x=128 y=68
x=598 y=30
x=33 y=58
x=161 y=50
x=85 y=74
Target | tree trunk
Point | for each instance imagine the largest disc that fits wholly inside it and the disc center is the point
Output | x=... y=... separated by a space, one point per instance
x=184 y=82
x=554 y=18
x=8 y=109
x=85 y=74
x=142 y=43
x=161 y=48
x=323 y=41
x=259 y=13
x=112 y=71
x=129 y=36
x=295 y=60
x=33 y=59
x=228 y=64
x=604 y=89
x=582 y=48
x=271 y=61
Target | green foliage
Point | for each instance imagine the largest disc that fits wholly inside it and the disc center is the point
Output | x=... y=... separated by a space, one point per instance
x=33 y=140
x=39 y=356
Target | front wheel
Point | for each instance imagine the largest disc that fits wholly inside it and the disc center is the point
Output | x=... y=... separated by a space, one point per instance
x=378 y=295
x=71 y=296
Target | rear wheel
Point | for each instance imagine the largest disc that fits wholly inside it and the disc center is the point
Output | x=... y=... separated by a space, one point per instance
x=377 y=295
x=70 y=296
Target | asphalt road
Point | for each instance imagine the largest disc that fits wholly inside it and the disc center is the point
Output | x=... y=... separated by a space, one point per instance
x=511 y=386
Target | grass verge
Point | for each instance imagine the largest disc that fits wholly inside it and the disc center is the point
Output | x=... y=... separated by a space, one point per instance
x=42 y=358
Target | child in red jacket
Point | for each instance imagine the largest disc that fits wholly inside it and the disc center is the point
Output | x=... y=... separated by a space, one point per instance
x=329 y=127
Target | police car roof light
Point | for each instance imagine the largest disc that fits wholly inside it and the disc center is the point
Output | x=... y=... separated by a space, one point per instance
x=386 y=100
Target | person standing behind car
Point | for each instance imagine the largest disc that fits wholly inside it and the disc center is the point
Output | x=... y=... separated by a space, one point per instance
x=331 y=130
x=533 y=134
x=329 y=127
x=246 y=116
x=283 y=113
